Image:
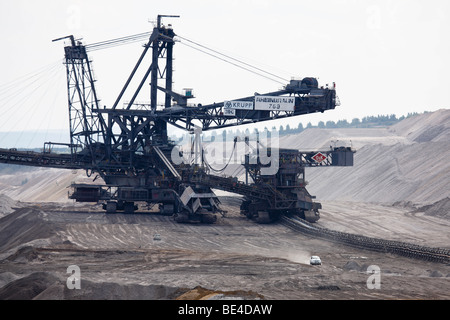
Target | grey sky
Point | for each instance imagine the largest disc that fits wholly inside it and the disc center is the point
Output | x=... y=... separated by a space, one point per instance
x=385 y=56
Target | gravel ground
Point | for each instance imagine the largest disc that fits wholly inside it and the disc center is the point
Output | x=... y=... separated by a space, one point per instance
x=119 y=257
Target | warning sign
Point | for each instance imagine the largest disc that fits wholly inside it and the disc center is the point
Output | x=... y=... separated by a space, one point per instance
x=319 y=157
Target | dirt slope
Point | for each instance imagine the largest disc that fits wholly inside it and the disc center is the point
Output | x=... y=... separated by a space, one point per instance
x=413 y=166
x=6 y=205
x=39 y=184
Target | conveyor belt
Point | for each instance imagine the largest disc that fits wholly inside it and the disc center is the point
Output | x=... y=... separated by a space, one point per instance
x=38 y=159
x=364 y=242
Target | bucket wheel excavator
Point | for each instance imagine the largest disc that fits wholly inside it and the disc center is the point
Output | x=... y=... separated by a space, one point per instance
x=126 y=145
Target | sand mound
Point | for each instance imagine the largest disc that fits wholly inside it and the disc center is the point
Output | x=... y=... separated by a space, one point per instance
x=107 y=291
x=439 y=209
x=427 y=127
x=46 y=286
x=416 y=172
x=28 y=287
x=436 y=274
x=23 y=226
x=6 y=205
x=7 y=277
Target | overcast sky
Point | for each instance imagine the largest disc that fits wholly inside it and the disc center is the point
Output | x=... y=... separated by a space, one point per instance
x=386 y=57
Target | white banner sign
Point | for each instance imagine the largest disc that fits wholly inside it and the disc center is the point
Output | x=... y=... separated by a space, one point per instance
x=274 y=103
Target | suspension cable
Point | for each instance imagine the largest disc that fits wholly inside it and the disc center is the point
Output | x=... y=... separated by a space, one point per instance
x=232 y=63
x=194 y=45
x=234 y=59
x=118 y=41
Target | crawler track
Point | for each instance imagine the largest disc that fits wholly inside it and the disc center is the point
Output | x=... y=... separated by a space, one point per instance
x=364 y=242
